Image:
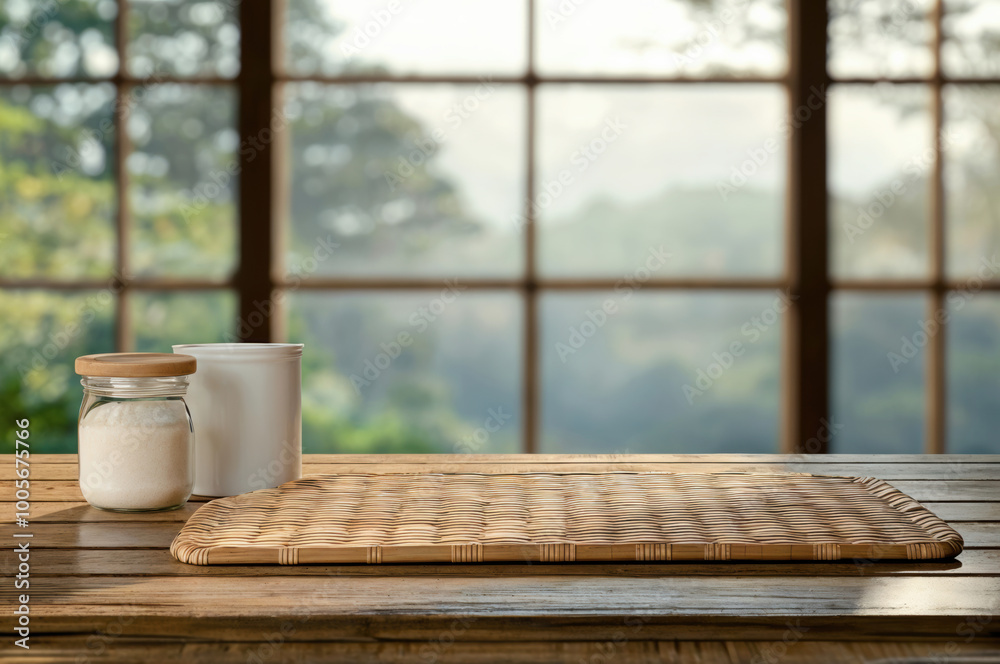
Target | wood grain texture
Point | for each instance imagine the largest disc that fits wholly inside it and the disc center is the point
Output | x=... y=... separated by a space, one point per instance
x=123 y=535
x=80 y=512
x=135 y=365
x=957 y=491
x=884 y=471
x=159 y=562
x=539 y=608
x=564 y=517
x=607 y=459
x=444 y=650
x=90 y=580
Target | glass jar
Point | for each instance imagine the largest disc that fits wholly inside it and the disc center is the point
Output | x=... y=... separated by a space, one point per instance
x=136 y=437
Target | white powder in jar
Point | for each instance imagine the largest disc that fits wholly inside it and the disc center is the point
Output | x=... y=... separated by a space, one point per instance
x=136 y=455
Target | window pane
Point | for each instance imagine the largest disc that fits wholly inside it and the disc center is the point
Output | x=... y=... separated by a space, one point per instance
x=57 y=39
x=658 y=373
x=409 y=372
x=881 y=38
x=178 y=38
x=881 y=168
x=877 y=368
x=973 y=371
x=41 y=334
x=162 y=319
x=972 y=170
x=405 y=179
x=182 y=186
x=402 y=37
x=971 y=36
x=57 y=196
x=662 y=37
x=698 y=170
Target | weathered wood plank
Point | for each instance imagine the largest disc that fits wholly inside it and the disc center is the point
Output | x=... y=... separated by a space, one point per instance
x=76 y=590
x=977 y=535
x=950 y=491
x=159 y=562
x=350 y=595
x=144 y=535
x=104 y=535
x=902 y=471
x=885 y=471
x=66 y=512
x=69 y=512
x=434 y=459
x=922 y=490
x=534 y=608
x=958 y=512
x=444 y=650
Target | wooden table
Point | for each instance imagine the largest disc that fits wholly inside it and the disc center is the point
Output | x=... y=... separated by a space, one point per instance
x=105 y=588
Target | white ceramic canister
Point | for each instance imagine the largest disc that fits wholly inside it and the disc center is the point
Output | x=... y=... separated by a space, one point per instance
x=246 y=402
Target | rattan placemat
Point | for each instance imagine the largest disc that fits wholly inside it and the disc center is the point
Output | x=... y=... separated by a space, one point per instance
x=561 y=517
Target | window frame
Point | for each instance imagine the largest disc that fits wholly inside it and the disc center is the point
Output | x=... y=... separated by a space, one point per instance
x=261 y=205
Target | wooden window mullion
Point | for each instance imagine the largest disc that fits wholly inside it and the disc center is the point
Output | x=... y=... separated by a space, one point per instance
x=935 y=377
x=531 y=369
x=806 y=369
x=123 y=327
x=255 y=84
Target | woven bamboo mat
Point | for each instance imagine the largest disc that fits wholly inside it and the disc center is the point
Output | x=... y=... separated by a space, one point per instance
x=561 y=517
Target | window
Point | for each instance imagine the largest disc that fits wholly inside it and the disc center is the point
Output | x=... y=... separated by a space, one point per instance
x=544 y=226
x=913 y=232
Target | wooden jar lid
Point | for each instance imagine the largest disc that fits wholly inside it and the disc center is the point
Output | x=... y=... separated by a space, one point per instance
x=136 y=365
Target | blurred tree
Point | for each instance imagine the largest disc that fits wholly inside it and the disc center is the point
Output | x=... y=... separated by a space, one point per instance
x=56 y=213
x=57 y=206
x=57 y=39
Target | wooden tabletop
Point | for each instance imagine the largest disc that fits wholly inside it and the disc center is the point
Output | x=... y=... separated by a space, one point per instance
x=103 y=586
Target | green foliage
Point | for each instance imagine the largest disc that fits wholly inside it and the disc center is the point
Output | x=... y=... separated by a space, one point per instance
x=41 y=334
x=62 y=38
x=347 y=146
x=57 y=206
x=55 y=217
